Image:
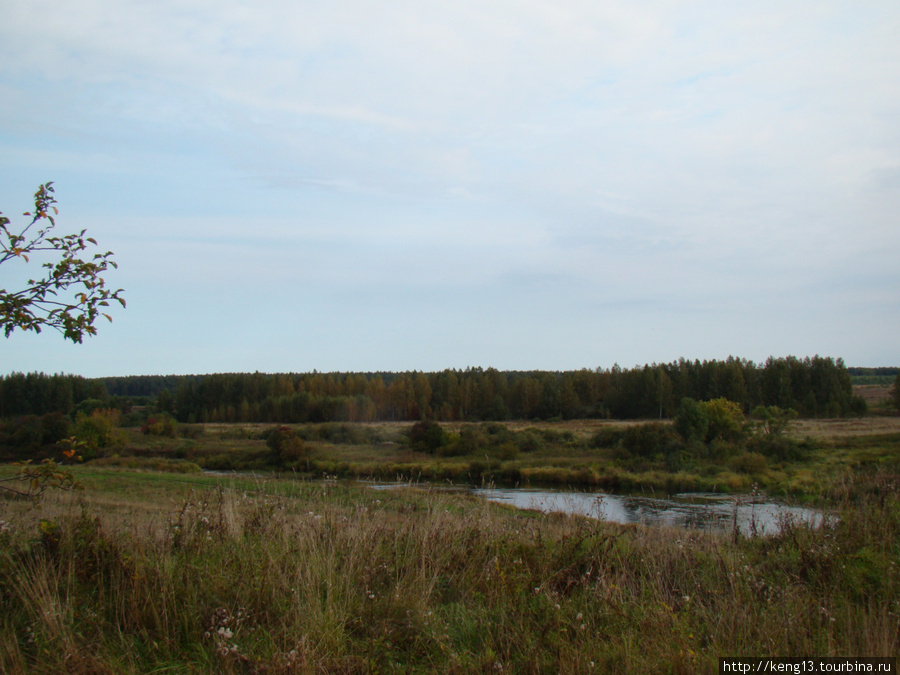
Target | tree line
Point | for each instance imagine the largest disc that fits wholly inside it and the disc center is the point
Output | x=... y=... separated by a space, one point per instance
x=40 y=394
x=813 y=386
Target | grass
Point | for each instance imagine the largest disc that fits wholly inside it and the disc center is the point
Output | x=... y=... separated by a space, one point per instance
x=585 y=453
x=149 y=571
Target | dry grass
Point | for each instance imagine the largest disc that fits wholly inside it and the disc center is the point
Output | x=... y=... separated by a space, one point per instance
x=146 y=572
x=838 y=428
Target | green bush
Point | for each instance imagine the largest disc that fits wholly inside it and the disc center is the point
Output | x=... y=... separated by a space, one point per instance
x=427 y=436
x=95 y=431
x=471 y=440
x=691 y=421
x=726 y=419
x=648 y=440
x=530 y=440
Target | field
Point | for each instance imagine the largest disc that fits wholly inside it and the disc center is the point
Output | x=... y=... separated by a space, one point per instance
x=584 y=453
x=146 y=571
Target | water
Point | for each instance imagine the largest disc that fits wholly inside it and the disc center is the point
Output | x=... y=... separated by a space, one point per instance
x=752 y=515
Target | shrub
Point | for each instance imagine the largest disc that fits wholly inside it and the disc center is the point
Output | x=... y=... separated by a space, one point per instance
x=88 y=406
x=648 y=440
x=720 y=449
x=471 y=440
x=343 y=433
x=778 y=448
x=285 y=445
x=160 y=426
x=427 y=436
x=31 y=432
x=54 y=427
x=95 y=431
x=772 y=420
x=726 y=419
x=26 y=432
x=691 y=421
x=749 y=462
x=497 y=434
x=530 y=440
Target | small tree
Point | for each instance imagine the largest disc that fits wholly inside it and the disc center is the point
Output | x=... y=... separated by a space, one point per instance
x=70 y=293
x=726 y=419
x=427 y=436
x=773 y=421
x=691 y=421
x=285 y=445
x=95 y=431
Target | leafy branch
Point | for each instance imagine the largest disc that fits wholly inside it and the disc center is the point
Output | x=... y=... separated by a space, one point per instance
x=70 y=295
x=33 y=480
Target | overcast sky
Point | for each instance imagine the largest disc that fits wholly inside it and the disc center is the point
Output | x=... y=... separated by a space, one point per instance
x=397 y=185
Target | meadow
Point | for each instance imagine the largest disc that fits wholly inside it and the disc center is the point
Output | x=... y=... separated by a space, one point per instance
x=155 y=570
x=592 y=454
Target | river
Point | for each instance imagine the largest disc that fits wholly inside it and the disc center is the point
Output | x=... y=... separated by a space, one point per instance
x=751 y=514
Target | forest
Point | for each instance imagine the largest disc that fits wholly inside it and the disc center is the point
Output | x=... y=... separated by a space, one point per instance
x=813 y=386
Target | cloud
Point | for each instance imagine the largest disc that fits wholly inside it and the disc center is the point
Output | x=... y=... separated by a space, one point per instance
x=547 y=156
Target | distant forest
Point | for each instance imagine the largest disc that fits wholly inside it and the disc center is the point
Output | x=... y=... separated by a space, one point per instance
x=880 y=376
x=814 y=387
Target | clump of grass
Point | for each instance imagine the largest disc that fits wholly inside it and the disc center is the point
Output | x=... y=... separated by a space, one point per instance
x=149 y=463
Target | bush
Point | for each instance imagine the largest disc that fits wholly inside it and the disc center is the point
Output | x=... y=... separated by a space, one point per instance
x=749 y=462
x=54 y=427
x=778 y=448
x=471 y=440
x=88 y=406
x=427 y=436
x=772 y=420
x=530 y=440
x=726 y=419
x=95 y=431
x=720 y=449
x=32 y=432
x=160 y=426
x=285 y=445
x=648 y=440
x=691 y=421
x=26 y=432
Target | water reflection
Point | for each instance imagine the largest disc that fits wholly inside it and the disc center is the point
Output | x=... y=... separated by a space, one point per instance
x=705 y=511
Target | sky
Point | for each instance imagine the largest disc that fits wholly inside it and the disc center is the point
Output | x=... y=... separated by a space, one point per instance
x=396 y=185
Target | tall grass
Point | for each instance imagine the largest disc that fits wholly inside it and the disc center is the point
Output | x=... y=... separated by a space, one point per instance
x=147 y=573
